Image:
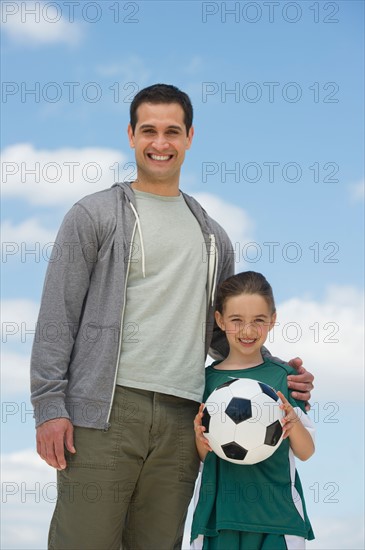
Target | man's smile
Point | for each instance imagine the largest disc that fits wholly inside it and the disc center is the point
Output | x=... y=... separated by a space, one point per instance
x=159 y=157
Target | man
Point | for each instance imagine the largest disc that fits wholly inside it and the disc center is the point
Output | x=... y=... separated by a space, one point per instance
x=125 y=324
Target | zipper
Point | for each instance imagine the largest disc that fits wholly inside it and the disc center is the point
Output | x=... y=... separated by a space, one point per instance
x=107 y=426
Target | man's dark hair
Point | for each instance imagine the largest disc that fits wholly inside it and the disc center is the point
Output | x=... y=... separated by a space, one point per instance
x=162 y=93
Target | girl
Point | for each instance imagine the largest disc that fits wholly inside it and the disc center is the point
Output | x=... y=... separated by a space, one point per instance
x=259 y=506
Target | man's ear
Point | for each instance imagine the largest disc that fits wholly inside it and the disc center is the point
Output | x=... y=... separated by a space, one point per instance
x=219 y=320
x=189 y=137
x=130 y=136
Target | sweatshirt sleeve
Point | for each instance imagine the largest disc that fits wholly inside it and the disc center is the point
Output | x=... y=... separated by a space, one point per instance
x=64 y=291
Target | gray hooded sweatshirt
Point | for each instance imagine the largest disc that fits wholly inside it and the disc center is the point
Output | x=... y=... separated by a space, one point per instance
x=77 y=343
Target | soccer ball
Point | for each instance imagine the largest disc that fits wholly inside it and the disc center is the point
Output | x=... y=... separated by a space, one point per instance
x=243 y=421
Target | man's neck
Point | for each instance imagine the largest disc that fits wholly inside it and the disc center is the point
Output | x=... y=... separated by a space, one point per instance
x=164 y=188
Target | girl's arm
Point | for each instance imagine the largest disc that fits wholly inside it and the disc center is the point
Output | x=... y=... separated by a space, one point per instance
x=300 y=439
x=202 y=444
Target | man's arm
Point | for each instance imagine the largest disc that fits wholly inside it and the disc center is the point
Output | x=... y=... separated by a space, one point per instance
x=301 y=383
x=65 y=287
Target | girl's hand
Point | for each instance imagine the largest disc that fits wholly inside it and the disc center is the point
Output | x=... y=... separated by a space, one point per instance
x=290 y=417
x=199 y=429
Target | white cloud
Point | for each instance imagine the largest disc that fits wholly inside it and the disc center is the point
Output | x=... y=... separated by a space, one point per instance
x=328 y=336
x=18 y=311
x=28 y=231
x=15 y=378
x=40 y=23
x=28 y=499
x=18 y=323
x=235 y=220
x=25 y=465
x=62 y=176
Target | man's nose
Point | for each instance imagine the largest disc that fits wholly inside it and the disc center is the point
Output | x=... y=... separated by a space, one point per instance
x=160 y=143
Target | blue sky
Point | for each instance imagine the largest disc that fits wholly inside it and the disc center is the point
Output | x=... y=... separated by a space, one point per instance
x=277 y=159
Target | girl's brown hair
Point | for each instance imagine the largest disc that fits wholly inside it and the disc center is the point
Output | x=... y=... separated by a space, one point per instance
x=247 y=282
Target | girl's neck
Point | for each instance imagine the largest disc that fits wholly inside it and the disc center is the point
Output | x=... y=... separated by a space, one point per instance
x=239 y=363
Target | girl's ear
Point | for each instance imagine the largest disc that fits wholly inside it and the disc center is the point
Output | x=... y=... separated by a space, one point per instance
x=273 y=321
x=219 y=320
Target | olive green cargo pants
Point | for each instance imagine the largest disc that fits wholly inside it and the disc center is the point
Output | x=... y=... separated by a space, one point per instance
x=129 y=487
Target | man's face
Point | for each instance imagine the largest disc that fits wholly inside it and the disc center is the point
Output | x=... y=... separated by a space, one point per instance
x=160 y=141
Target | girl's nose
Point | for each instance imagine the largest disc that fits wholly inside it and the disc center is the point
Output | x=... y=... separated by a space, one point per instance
x=250 y=331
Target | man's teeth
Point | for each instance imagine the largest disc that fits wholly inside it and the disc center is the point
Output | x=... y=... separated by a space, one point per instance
x=160 y=157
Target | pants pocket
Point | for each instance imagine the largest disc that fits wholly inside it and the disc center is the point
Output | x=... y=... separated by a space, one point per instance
x=94 y=448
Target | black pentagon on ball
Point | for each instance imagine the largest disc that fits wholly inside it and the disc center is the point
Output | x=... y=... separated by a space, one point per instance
x=226 y=383
x=206 y=420
x=239 y=409
x=235 y=451
x=273 y=433
x=268 y=390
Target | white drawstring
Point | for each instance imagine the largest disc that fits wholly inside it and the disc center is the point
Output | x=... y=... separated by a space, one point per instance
x=140 y=238
x=212 y=269
x=212 y=238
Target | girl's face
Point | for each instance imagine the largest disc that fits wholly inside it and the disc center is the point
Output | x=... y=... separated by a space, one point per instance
x=246 y=320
